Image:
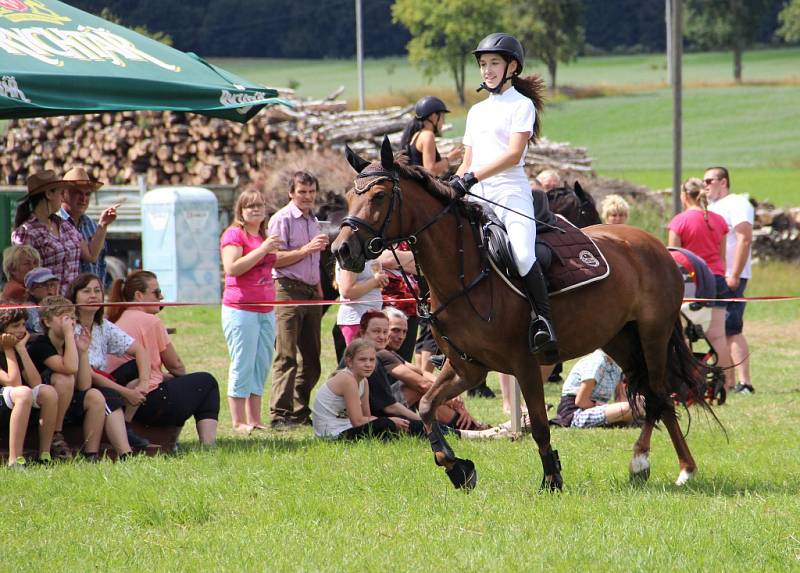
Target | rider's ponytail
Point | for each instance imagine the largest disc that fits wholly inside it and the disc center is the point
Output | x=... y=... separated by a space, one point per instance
x=532 y=87
x=412 y=127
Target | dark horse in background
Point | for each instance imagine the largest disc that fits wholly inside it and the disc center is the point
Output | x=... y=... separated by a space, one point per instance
x=633 y=314
x=574 y=204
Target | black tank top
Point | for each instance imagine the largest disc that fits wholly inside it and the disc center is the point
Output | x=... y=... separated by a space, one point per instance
x=414 y=154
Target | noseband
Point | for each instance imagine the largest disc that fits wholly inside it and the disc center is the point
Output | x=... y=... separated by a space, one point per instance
x=378 y=241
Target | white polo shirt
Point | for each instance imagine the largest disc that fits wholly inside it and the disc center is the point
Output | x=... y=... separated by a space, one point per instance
x=734 y=209
x=490 y=124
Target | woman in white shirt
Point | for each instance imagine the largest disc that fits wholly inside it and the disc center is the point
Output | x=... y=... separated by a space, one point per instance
x=496 y=138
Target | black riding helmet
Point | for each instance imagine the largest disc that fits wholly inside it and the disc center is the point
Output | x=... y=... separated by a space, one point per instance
x=506 y=45
x=428 y=105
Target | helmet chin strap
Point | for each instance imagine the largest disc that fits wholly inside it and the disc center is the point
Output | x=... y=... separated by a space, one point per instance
x=499 y=86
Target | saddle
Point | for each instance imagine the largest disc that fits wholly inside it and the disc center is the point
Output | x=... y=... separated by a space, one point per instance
x=568 y=257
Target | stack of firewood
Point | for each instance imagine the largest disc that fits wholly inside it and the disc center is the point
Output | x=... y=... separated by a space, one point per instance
x=188 y=149
x=776 y=234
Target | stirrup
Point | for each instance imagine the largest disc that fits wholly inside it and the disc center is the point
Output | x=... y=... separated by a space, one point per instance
x=542 y=338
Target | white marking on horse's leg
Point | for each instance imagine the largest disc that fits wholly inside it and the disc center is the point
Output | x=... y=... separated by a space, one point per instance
x=640 y=463
x=640 y=468
x=684 y=477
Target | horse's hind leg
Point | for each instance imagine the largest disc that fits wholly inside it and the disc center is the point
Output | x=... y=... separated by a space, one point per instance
x=461 y=472
x=688 y=467
x=655 y=344
x=529 y=377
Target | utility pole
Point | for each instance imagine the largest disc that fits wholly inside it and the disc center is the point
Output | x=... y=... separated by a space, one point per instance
x=676 y=64
x=360 y=56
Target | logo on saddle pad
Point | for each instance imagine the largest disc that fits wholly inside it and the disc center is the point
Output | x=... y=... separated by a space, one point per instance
x=588 y=259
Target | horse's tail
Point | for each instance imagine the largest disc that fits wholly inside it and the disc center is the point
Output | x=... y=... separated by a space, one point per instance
x=689 y=378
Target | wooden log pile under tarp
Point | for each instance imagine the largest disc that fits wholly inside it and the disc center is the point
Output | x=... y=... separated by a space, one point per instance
x=188 y=149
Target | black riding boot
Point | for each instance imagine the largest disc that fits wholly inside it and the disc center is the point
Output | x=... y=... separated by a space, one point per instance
x=542 y=335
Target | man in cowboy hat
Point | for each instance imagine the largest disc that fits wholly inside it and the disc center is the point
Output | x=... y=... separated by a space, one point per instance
x=73 y=209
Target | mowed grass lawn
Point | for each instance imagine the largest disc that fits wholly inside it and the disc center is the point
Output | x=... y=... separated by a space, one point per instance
x=288 y=502
x=751 y=129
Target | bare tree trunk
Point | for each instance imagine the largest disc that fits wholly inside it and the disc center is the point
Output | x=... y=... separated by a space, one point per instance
x=552 y=66
x=458 y=76
x=737 y=62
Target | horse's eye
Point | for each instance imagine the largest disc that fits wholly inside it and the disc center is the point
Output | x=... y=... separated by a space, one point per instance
x=378 y=197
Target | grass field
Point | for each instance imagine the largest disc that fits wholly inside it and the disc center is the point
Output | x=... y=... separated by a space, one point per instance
x=288 y=502
x=752 y=128
x=284 y=501
x=318 y=78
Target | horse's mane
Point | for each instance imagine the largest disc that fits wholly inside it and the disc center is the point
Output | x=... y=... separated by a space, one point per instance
x=420 y=175
x=431 y=184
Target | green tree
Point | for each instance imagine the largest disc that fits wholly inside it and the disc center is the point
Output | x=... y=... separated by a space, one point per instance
x=551 y=31
x=790 y=22
x=107 y=14
x=725 y=24
x=444 y=32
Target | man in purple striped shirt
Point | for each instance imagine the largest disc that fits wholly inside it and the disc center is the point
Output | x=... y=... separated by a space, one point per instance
x=297 y=277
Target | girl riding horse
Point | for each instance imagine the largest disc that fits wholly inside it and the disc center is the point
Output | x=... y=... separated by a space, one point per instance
x=496 y=137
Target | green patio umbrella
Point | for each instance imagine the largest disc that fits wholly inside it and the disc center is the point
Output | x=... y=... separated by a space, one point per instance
x=58 y=60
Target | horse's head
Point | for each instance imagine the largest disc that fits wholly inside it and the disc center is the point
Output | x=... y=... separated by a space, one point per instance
x=575 y=205
x=373 y=207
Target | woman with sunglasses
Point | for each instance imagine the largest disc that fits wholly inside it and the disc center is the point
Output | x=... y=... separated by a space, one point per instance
x=173 y=396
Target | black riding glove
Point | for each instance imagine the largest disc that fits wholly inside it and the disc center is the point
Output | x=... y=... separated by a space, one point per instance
x=461 y=185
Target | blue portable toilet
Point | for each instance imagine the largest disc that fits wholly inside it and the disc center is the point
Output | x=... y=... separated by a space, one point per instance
x=180 y=242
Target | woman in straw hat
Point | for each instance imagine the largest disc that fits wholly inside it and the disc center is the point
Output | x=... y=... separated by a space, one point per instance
x=37 y=224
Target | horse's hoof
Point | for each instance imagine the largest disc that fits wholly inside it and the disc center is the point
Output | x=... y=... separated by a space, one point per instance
x=640 y=468
x=684 y=477
x=463 y=474
x=555 y=484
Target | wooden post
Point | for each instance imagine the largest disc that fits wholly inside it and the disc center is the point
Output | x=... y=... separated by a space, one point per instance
x=676 y=35
x=360 y=56
x=516 y=406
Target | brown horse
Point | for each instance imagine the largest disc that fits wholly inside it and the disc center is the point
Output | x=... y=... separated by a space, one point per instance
x=633 y=315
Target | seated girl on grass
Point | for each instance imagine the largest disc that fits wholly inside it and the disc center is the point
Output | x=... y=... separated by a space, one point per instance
x=341 y=406
x=20 y=378
x=177 y=395
x=62 y=359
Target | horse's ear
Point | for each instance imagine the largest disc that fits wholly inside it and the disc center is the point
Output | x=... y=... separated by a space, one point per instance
x=387 y=155
x=579 y=190
x=354 y=160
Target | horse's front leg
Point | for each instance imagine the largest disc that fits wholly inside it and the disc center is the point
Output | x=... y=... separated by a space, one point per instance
x=448 y=385
x=529 y=377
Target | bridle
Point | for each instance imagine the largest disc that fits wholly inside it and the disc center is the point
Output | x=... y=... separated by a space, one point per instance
x=378 y=242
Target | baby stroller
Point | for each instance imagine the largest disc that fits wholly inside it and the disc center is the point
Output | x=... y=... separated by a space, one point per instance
x=696 y=317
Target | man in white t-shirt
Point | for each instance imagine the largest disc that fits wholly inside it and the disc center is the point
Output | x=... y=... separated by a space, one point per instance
x=739 y=214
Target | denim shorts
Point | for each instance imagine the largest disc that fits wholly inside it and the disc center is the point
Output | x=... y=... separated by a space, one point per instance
x=734 y=315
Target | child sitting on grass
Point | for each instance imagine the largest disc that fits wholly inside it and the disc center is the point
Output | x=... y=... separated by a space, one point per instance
x=341 y=406
x=19 y=371
x=15 y=404
x=62 y=359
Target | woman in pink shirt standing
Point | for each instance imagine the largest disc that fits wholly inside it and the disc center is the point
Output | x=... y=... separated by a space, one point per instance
x=248 y=255
x=703 y=232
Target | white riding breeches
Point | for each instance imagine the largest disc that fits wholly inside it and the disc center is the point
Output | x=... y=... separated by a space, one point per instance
x=521 y=230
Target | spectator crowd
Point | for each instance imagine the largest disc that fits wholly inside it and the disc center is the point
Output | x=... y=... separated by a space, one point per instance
x=70 y=361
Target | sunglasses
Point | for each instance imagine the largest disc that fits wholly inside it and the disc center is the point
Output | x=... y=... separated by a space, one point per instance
x=710 y=180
